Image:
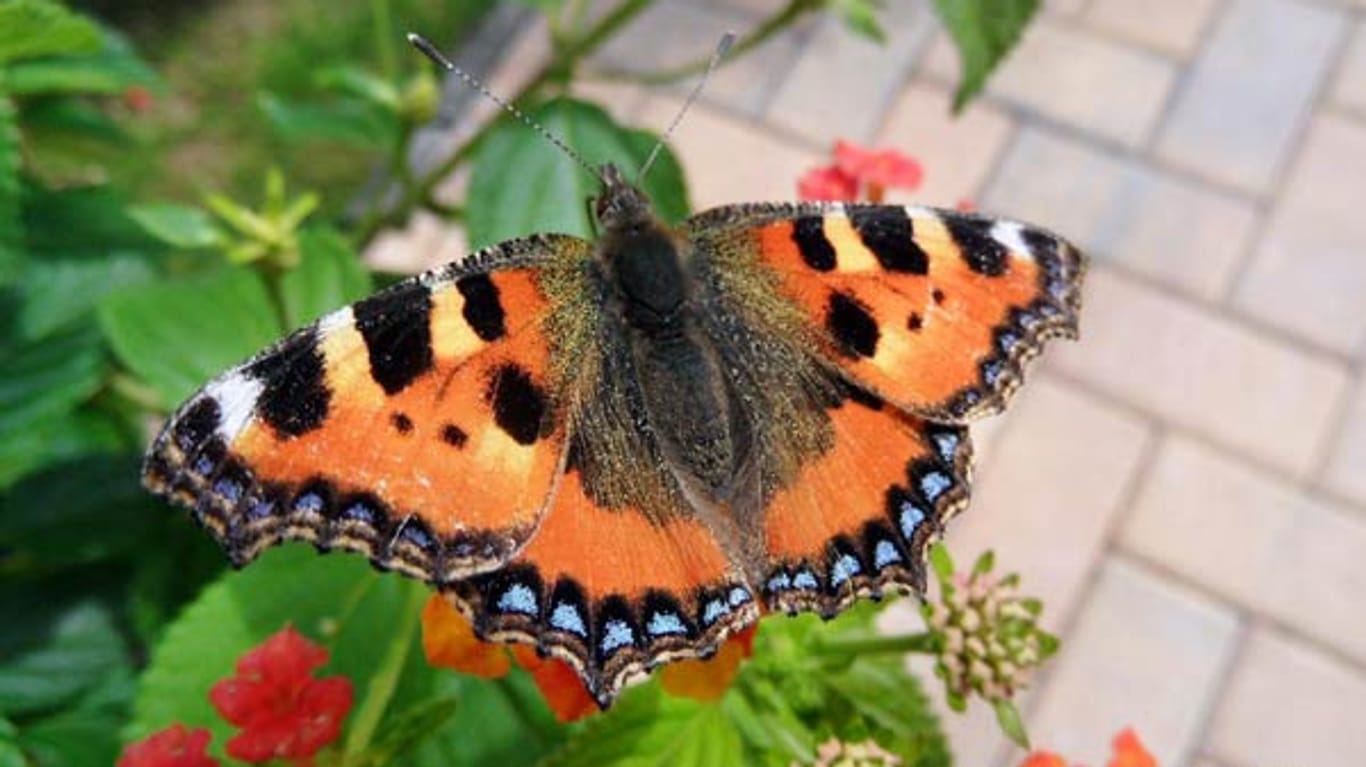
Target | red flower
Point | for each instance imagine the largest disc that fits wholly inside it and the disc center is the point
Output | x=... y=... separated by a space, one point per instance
x=857 y=168
x=283 y=711
x=1129 y=752
x=884 y=168
x=828 y=183
x=175 y=746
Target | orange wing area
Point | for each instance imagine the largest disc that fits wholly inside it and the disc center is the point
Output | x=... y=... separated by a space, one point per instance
x=859 y=518
x=610 y=591
x=417 y=426
x=934 y=310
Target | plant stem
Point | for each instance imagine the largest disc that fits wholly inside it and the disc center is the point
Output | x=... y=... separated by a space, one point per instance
x=771 y=26
x=878 y=645
x=381 y=688
x=384 y=39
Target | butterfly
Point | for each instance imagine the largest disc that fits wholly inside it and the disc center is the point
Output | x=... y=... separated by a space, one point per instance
x=624 y=450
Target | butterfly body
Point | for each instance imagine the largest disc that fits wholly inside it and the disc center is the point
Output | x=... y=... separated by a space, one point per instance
x=624 y=450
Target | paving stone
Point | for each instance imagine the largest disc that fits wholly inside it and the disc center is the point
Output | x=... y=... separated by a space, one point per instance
x=1145 y=653
x=1250 y=91
x=1309 y=275
x=1064 y=7
x=1346 y=472
x=727 y=160
x=1288 y=704
x=1169 y=26
x=426 y=241
x=1203 y=372
x=1117 y=208
x=1350 y=89
x=1255 y=539
x=1099 y=86
x=673 y=33
x=957 y=152
x=1044 y=502
x=842 y=84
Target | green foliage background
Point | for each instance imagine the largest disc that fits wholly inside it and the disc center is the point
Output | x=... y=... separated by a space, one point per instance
x=123 y=288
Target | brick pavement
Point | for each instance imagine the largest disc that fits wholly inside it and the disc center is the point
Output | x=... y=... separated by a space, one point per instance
x=1187 y=486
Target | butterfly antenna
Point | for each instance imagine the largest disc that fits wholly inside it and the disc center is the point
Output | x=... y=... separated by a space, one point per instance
x=722 y=48
x=424 y=45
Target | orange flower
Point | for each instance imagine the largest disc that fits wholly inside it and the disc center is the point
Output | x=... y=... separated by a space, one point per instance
x=1129 y=752
x=449 y=641
x=559 y=684
x=827 y=184
x=878 y=168
x=707 y=680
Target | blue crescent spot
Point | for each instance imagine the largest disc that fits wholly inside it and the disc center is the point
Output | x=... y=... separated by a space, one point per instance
x=933 y=485
x=846 y=567
x=1006 y=341
x=359 y=511
x=713 y=611
x=566 y=617
x=779 y=582
x=203 y=465
x=518 y=598
x=662 y=624
x=309 y=503
x=229 y=489
x=947 y=445
x=261 y=509
x=911 y=517
x=991 y=372
x=804 y=579
x=738 y=595
x=615 y=635
x=885 y=554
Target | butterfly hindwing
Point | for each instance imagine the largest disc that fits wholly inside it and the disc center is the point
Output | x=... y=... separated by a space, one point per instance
x=937 y=311
x=612 y=591
x=858 y=519
x=418 y=426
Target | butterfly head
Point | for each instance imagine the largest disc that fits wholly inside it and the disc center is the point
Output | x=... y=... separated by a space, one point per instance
x=622 y=207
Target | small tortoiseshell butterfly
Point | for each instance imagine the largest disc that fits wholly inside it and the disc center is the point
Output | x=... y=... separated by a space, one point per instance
x=622 y=451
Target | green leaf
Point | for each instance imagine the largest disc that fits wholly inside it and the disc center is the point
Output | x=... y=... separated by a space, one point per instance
x=360 y=615
x=505 y=722
x=984 y=32
x=112 y=70
x=407 y=729
x=1008 y=717
x=329 y=276
x=59 y=292
x=648 y=728
x=942 y=562
x=11 y=231
x=86 y=221
x=77 y=511
x=521 y=183
x=178 y=334
x=84 y=649
x=860 y=16
x=63 y=436
x=73 y=739
x=986 y=561
x=180 y=226
x=355 y=81
x=47 y=377
x=31 y=28
x=348 y=121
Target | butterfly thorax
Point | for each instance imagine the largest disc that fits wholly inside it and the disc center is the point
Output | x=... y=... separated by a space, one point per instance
x=700 y=432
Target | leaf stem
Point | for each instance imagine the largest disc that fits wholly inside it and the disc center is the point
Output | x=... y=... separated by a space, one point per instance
x=898 y=644
x=381 y=688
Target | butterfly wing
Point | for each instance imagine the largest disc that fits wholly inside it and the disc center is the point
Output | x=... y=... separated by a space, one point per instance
x=936 y=311
x=418 y=426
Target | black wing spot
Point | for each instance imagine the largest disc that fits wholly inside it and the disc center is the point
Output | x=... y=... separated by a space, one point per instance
x=482 y=309
x=396 y=326
x=979 y=249
x=519 y=405
x=402 y=423
x=294 y=395
x=454 y=435
x=886 y=231
x=916 y=322
x=809 y=234
x=197 y=424
x=937 y=295
x=852 y=326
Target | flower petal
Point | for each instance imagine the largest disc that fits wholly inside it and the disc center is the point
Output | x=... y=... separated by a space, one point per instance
x=708 y=680
x=1129 y=751
x=449 y=642
x=1043 y=759
x=828 y=183
x=175 y=746
x=559 y=684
